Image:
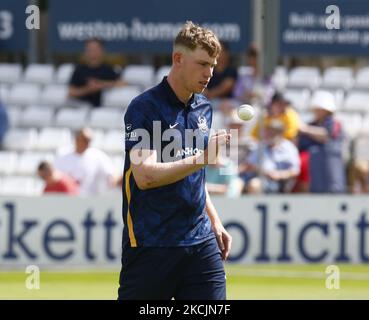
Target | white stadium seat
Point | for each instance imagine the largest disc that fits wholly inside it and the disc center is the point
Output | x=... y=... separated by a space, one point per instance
x=365 y=126
x=71 y=118
x=280 y=77
x=8 y=162
x=304 y=77
x=36 y=116
x=4 y=93
x=161 y=73
x=105 y=118
x=362 y=78
x=351 y=122
x=120 y=97
x=113 y=142
x=54 y=95
x=28 y=162
x=24 y=94
x=362 y=148
x=244 y=71
x=338 y=77
x=299 y=98
x=10 y=72
x=53 y=138
x=20 y=139
x=64 y=73
x=357 y=101
x=140 y=75
x=21 y=186
x=39 y=73
x=14 y=114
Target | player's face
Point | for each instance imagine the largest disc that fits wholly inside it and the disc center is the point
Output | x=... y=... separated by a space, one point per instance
x=197 y=69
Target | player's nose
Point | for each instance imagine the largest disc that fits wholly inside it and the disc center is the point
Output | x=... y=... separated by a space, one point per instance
x=208 y=73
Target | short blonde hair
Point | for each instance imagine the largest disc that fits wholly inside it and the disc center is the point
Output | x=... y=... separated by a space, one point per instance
x=193 y=36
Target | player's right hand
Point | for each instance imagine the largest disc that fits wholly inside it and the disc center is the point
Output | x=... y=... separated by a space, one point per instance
x=214 y=144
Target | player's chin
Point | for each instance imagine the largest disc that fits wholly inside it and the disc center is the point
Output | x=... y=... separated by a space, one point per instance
x=199 y=89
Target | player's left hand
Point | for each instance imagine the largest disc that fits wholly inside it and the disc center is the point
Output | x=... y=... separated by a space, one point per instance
x=224 y=239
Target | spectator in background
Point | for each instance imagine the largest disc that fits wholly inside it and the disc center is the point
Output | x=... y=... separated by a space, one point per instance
x=56 y=181
x=222 y=178
x=361 y=176
x=4 y=123
x=224 y=78
x=273 y=166
x=323 y=139
x=245 y=89
x=92 y=77
x=233 y=122
x=91 y=168
x=280 y=109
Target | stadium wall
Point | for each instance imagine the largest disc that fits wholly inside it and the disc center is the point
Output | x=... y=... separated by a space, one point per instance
x=65 y=232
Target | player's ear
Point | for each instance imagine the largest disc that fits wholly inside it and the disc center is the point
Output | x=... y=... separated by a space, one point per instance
x=177 y=58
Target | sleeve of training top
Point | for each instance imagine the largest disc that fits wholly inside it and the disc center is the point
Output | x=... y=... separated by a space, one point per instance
x=138 y=124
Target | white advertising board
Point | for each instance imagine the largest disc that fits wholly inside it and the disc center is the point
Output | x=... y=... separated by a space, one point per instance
x=64 y=232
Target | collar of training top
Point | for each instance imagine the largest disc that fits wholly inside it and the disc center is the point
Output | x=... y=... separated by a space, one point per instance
x=173 y=99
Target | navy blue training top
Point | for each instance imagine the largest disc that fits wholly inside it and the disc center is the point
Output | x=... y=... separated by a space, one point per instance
x=171 y=215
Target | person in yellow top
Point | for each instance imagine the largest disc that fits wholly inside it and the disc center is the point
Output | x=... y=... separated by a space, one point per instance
x=280 y=109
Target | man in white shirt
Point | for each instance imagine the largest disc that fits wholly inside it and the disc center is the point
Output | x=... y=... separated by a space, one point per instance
x=90 y=167
x=274 y=165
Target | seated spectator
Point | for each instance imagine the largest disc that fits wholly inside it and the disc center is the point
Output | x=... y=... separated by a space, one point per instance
x=233 y=122
x=222 y=179
x=4 y=123
x=361 y=176
x=280 y=109
x=273 y=166
x=91 y=168
x=246 y=84
x=323 y=139
x=91 y=78
x=56 y=181
x=222 y=82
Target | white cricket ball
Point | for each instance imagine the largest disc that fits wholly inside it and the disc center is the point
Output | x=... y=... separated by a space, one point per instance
x=246 y=112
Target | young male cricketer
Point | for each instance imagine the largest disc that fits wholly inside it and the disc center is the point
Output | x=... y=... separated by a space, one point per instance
x=173 y=242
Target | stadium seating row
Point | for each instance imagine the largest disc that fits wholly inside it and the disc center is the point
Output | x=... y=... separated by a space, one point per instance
x=145 y=75
x=73 y=118
x=20 y=186
x=52 y=139
x=56 y=95
x=355 y=100
x=140 y=75
x=331 y=78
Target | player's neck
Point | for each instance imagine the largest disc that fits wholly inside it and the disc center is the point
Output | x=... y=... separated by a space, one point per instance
x=180 y=91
